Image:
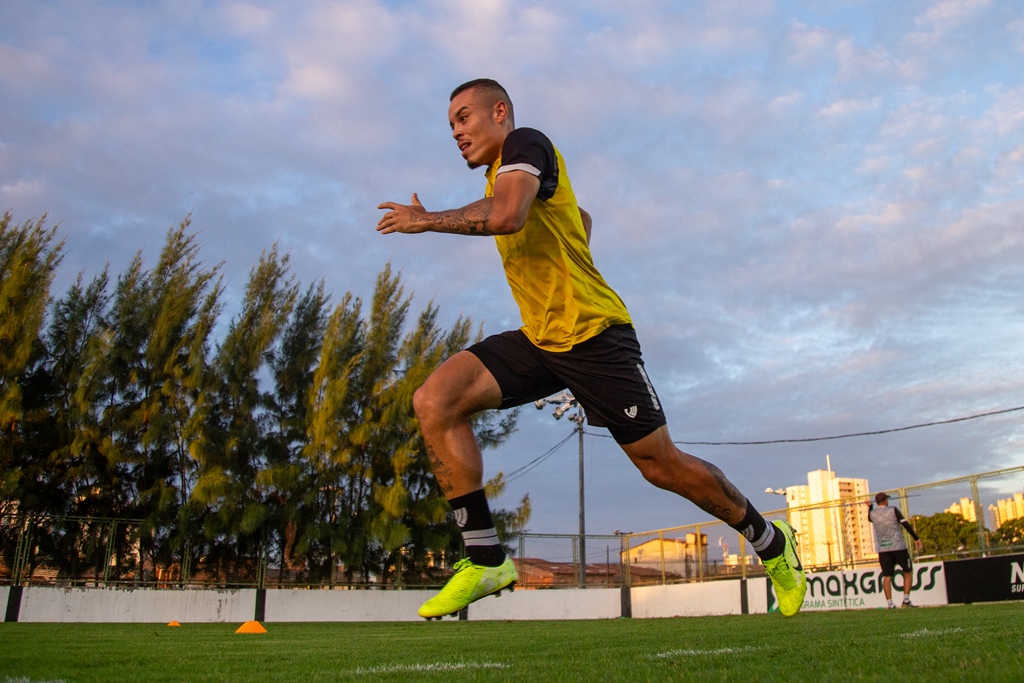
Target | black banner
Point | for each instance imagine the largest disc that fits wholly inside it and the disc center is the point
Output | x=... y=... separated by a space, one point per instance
x=985 y=579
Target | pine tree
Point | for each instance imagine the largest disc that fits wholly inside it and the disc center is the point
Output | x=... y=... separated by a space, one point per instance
x=230 y=442
x=327 y=514
x=293 y=364
x=29 y=257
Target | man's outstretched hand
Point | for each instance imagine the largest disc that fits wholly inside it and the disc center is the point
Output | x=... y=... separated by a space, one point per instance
x=407 y=218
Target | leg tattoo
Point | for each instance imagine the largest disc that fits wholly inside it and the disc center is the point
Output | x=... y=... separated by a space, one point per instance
x=729 y=492
x=709 y=506
x=442 y=473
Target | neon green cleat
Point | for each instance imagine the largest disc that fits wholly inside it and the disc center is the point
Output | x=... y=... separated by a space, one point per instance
x=787 y=574
x=470 y=583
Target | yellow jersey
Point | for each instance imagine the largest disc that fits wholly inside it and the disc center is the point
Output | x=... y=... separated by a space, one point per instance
x=563 y=300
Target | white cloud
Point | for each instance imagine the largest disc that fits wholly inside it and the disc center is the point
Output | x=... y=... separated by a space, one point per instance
x=947 y=14
x=808 y=44
x=848 y=107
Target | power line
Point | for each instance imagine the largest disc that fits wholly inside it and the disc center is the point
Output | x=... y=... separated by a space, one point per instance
x=515 y=474
x=848 y=436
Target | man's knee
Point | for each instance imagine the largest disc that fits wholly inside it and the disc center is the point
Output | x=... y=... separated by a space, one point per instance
x=430 y=403
x=655 y=472
x=666 y=468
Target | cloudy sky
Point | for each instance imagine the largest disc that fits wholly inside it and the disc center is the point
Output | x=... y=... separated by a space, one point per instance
x=814 y=210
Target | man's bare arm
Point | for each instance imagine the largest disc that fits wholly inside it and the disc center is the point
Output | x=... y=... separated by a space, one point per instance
x=502 y=214
x=587 y=222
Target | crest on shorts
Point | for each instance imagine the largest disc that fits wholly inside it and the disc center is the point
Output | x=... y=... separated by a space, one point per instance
x=630 y=412
x=461 y=517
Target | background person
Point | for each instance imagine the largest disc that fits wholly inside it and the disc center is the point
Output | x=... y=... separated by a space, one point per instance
x=892 y=549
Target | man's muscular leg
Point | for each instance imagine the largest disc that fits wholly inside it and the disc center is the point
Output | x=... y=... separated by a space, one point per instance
x=702 y=483
x=460 y=388
x=697 y=480
x=446 y=402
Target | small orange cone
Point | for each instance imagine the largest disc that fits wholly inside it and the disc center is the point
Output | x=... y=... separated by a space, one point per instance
x=251 y=627
x=174 y=623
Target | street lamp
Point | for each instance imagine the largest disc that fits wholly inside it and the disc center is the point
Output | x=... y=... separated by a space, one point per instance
x=565 y=402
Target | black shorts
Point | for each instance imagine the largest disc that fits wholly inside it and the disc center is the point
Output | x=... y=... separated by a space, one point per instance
x=605 y=373
x=890 y=558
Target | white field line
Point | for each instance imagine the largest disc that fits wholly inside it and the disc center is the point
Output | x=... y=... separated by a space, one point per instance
x=929 y=632
x=697 y=653
x=436 y=666
x=25 y=679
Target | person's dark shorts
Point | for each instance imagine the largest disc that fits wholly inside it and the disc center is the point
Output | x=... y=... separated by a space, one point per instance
x=890 y=558
x=605 y=373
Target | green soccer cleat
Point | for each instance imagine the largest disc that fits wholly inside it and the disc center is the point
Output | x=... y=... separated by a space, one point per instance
x=787 y=574
x=470 y=583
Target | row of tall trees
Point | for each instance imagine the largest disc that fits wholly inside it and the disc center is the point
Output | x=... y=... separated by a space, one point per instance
x=291 y=428
x=944 y=534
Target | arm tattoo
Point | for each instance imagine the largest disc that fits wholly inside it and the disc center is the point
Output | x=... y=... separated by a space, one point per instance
x=469 y=220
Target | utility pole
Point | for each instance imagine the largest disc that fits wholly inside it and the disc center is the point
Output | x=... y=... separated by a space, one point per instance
x=578 y=419
x=566 y=402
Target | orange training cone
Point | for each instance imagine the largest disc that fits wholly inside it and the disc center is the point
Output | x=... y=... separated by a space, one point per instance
x=174 y=623
x=251 y=627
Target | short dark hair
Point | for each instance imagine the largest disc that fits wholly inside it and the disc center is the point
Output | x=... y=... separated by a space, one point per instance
x=490 y=86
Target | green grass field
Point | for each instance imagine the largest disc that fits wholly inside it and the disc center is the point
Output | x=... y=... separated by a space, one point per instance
x=960 y=643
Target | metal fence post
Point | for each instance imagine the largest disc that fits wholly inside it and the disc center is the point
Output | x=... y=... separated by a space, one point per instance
x=21 y=553
x=979 y=517
x=624 y=559
x=661 y=554
x=186 y=563
x=261 y=568
x=743 y=556
x=700 y=560
x=581 y=567
x=108 y=556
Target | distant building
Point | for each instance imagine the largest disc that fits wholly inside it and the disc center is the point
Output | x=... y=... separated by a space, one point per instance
x=1006 y=509
x=965 y=508
x=682 y=557
x=735 y=559
x=831 y=520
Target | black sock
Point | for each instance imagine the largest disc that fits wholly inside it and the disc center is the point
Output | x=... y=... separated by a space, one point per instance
x=762 y=536
x=473 y=516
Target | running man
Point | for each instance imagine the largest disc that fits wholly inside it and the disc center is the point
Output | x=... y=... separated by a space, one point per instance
x=576 y=334
x=891 y=547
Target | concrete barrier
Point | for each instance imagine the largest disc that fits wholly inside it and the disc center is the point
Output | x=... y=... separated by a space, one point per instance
x=284 y=604
x=74 y=605
x=687 y=600
x=562 y=603
x=850 y=589
x=757 y=595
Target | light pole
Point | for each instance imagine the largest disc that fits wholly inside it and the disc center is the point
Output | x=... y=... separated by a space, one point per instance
x=566 y=402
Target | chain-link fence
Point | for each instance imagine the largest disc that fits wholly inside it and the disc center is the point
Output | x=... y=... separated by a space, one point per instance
x=981 y=514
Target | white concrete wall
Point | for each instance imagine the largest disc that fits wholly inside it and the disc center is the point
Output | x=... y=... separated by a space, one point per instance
x=284 y=604
x=687 y=600
x=562 y=603
x=5 y=592
x=372 y=605
x=757 y=595
x=142 y=605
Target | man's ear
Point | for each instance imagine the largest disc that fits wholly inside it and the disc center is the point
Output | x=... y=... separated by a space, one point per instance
x=500 y=111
